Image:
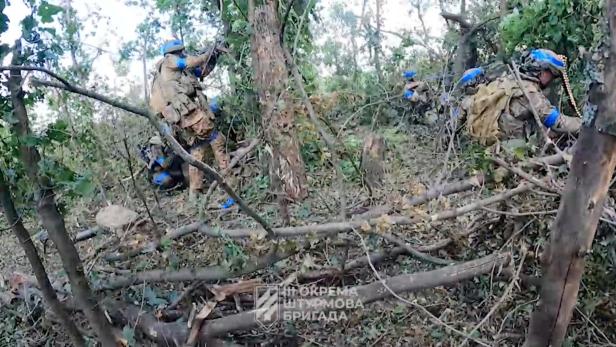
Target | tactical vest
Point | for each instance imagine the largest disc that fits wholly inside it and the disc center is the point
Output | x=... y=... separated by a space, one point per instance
x=488 y=106
x=176 y=94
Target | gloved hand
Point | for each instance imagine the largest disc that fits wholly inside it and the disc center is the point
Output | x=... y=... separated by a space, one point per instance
x=230 y=202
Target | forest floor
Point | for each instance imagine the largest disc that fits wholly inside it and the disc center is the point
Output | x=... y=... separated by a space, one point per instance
x=519 y=225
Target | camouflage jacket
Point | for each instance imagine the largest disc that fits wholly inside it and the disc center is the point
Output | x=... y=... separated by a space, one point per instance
x=500 y=110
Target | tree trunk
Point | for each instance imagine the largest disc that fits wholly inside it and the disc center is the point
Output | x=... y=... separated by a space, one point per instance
x=50 y=217
x=286 y=165
x=581 y=206
x=377 y=46
x=49 y=294
x=373 y=159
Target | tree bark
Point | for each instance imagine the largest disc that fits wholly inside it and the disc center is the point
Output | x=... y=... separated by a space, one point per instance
x=51 y=218
x=377 y=44
x=580 y=209
x=286 y=166
x=49 y=293
x=373 y=160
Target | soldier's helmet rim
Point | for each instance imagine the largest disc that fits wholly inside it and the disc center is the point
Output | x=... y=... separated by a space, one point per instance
x=546 y=59
x=408 y=74
x=172 y=46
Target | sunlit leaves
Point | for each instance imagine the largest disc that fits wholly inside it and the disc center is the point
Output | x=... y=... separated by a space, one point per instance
x=46 y=11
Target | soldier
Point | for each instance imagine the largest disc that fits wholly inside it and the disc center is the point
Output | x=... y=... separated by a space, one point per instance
x=177 y=94
x=500 y=110
x=164 y=168
x=469 y=83
x=415 y=91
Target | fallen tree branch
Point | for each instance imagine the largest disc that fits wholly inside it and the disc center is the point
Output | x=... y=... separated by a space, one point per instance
x=153 y=245
x=177 y=332
x=207 y=274
x=380 y=256
x=523 y=187
x=412 y=251
x=447 y=189
x=480 y=179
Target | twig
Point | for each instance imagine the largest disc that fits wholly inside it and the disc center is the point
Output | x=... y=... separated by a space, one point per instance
x=412 y=251
x=184 y=294
x=413 y=304
x=137 y=190
x=284 y=21
x=35 y=68
x=520 y=214
x=501 y=300
x=524 y=175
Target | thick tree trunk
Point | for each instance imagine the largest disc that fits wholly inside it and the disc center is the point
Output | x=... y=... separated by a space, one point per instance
x=51 y=218
x=581 y=206
x=373 y=160
x=49 y=294
x=286 y=167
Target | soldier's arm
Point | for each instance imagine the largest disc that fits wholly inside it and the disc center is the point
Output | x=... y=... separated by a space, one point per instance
x=188 y=62
x=551 y=117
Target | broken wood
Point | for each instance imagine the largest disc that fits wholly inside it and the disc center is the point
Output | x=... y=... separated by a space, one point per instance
x=447 y=189
x=373 y=160
x=449 y=275
x=579 y=212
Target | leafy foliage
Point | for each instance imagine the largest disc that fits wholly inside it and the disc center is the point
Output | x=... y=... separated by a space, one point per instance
x=568 y=25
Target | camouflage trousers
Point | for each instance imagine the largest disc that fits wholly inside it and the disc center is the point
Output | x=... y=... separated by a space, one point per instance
x=201 y=135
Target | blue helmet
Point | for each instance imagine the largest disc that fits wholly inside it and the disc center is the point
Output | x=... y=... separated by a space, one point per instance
x=544 y=59
x=172 y=46
x=408 y=74
x=471 y=76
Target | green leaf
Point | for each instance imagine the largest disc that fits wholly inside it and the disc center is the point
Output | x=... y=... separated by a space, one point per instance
x=58 y=132
x=84 y=186
x=46 y=11
x=128 y=334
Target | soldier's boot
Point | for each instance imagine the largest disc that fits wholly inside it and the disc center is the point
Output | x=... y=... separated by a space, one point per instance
x=567 y=124
x=195 y=176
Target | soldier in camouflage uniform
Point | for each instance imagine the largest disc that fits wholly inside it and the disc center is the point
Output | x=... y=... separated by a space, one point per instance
x=500 y=110
x=177 y=94
x=469 y=82
x=415 y=91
